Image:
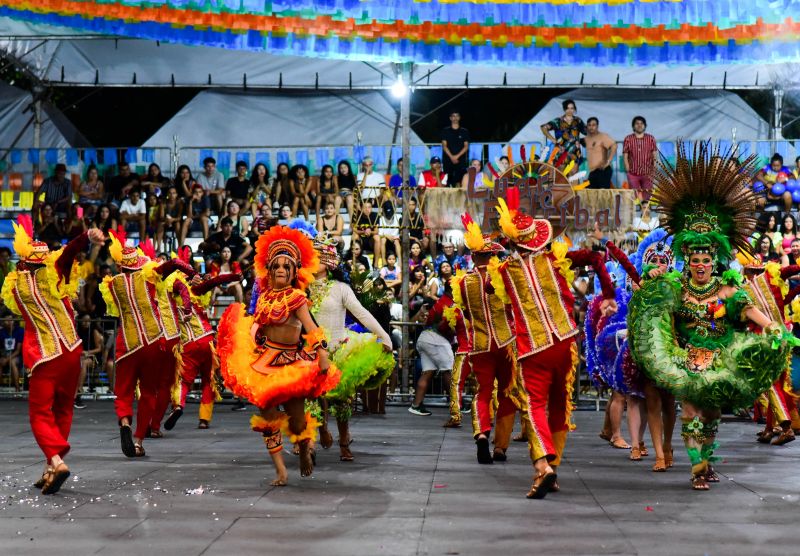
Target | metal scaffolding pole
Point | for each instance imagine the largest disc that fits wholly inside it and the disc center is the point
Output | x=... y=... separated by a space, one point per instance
x=405 y=138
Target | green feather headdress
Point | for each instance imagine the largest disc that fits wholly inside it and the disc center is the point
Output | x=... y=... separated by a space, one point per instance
x=705 y=201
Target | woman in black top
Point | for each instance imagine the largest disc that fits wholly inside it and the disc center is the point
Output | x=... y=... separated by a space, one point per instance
x=328 y=190
x=280 y=185
x=155 y=182
x=346 y=183
x=184 y=181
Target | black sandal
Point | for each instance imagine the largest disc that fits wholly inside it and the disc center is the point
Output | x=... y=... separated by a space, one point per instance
x=55 y=479
x=202 y=424
x=499 y=455
x=169 y=424
x=40 y=483
x=484 y=456
x=126 y=440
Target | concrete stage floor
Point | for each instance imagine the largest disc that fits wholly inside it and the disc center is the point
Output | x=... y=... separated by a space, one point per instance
x=415 y=488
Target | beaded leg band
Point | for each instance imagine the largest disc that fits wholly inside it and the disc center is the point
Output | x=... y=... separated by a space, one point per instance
x=273 y=440
x=271 y=430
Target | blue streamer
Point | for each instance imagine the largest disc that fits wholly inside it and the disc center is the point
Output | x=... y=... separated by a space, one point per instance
x=204 y=153
x=131 y=156
x=397 y=153
x=418 y=157
x=322 y=158
x=436 y=150
x=341 y=153
x=223 y=160
x=51 y=156
x=110 y=157
x=244 y=157
x=495 y=151
x=263 y=158
x=476 y=151
x=72 y=157
x=33 y=156
x=301 y=157
x=90 y=156
x=379 y=155
x=148 y=155
x=283 y=156
x=359 y=153
x=16 y=156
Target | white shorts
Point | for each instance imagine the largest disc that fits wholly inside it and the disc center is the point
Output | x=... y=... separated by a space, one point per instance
x=435 y=352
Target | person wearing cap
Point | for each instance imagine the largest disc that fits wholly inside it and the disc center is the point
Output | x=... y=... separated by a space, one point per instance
x=131 y=296
x=536 y=278
x=434 y=177
x=491 y=329
x=40 y=290
x=359 y=356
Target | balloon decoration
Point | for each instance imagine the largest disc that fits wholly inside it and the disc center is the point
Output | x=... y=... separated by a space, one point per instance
x=796 y=196
x=778 y=189
x=758 y=186
x=526 y=32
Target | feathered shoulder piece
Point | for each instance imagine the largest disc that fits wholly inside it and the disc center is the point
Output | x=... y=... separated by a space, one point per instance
x=705 y=202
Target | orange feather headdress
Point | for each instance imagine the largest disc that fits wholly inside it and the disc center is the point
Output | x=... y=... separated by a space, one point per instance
x=286 y=242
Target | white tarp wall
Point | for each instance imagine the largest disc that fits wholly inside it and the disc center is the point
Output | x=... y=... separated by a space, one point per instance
x=233 y=119
x=16 y=124
x=670 y=114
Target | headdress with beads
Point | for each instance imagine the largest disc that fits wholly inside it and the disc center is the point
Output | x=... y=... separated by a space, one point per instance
x=475 y=240
x=287 y=242
x=705 y=201
x=26 y=248
x=532 y=234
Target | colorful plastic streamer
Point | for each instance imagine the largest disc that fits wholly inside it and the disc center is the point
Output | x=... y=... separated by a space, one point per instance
x=518 y=32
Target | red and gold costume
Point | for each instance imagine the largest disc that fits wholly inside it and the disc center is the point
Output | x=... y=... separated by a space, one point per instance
x=536 y=280
x=195 y=355
x=491 y=351
x=141 y=348
x=454 y=317
x=40 y=291
x=269 y=373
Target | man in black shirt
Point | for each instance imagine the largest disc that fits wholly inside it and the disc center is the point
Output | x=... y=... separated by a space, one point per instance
x=119 y=186
x=455 y=146
x=365 y=228
x=237 y=188
x=239 y=247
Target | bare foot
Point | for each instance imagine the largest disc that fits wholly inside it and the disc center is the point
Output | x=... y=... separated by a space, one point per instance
x=306 y=458
x=296 y=449
x=325 y=438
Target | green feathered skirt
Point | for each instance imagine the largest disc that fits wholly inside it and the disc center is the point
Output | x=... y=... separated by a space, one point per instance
x=363 y=363
x=739 y=373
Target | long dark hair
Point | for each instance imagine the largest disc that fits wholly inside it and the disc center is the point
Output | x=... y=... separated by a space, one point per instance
x=348 y=181
x=178 y=179
x=762 y=225
x=295 y=168
x=278 y=178
x=794 y=224
x=322 y=175
x=254 y=174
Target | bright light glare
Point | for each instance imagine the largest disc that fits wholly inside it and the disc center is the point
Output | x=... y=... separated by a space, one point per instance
x=399 y=89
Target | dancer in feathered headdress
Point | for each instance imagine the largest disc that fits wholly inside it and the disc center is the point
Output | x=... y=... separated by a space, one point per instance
x=686 y=332
x=141 y=358
x=361 y=357
x=490 y=353
x=537 y=278
x=40 y=290
x=267 y=367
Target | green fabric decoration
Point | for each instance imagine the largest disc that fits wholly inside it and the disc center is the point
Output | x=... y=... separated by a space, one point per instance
x=360 y=358
x=694 y=456
x=342 y=410
x=707 y=452
x=313 y=407
x=746 y=365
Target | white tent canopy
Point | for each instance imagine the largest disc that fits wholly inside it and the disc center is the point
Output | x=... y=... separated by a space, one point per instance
x=59 y=55
x=17 y=123
x=233 y=119
x=669 y=114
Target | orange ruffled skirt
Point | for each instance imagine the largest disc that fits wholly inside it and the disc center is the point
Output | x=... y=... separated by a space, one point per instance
x=267 y=377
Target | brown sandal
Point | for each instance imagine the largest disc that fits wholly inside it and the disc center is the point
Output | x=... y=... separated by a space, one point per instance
x=545 y=485
x=139 y=449
x=344 y=452
x=636 y=454
x=620 y=444
x=660 y=465
x=643 y=450
x=202 y=424
x=711 y=475
x=40 y=483
x=669 y=458
x=55 y=479
x=699 y=482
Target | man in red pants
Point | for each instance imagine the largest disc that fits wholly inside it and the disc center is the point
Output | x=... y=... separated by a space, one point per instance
x=196 y=356
x=140 y=350
x=491 y=356
x=537 y=279
x=40 y=291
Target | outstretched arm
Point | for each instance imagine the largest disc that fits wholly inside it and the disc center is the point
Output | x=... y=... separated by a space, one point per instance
x=71 y=250
x=354 y=306
x=312 y=330
x=208 y=285
x=171 y=266
x=620 y=256
x=585 y=257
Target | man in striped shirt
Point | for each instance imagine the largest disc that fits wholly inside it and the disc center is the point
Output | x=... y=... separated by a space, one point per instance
x=57 y=191
x=639 y=151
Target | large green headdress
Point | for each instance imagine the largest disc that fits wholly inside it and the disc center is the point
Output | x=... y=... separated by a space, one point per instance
x=705 y=201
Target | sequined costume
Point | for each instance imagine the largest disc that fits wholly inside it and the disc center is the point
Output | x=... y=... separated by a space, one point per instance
x=690 y=337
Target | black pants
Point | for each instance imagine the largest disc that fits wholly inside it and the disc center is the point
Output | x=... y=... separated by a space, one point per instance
x=454 y=173
x=600 y=179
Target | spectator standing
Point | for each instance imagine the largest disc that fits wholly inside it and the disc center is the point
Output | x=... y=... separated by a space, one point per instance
x=57 y=191
x=11 y=335
x=238 y=187
x=134 y=209
x=370 y=183
x=213 y=183
x=261 y=189
x=198 y=211
x=184 y=182
x=455 y=148
x=91 y=192
x=396 y=183
x=346 y=182
x=120 y=185
x=639 y=153
x=328 y=191
x=600 y=150
x=566 y=133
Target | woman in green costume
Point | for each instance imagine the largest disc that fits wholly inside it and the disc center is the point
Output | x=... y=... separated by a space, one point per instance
x=689 y=332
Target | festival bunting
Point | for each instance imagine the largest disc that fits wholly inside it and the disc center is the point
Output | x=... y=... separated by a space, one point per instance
x=519 y=32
